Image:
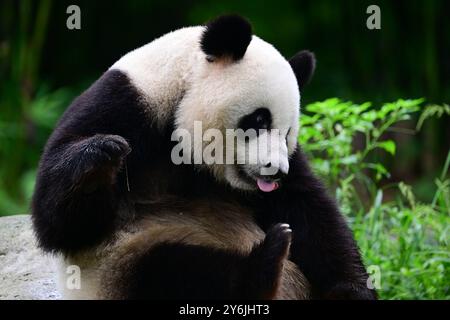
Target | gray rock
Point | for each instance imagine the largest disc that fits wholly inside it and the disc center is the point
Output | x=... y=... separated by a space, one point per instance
x=25 y=272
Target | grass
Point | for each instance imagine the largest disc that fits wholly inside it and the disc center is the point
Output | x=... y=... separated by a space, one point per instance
x=404 y=242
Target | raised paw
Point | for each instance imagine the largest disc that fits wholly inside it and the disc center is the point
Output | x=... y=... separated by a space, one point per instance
x=108 y=147
x=266 y=262
x=277 y=241
x=99 y=156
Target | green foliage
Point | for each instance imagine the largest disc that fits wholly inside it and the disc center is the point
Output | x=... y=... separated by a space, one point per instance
x=407 y=239
x=433 y=111
x=28 y=108
x=22 y=137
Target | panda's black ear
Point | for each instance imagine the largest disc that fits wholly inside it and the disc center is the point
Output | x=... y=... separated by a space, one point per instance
x=226 y=36
x=303 y=63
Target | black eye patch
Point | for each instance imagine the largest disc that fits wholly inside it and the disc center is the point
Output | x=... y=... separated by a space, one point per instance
x=259 y=119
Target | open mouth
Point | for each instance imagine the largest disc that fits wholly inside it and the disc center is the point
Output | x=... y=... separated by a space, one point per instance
x=264 y=184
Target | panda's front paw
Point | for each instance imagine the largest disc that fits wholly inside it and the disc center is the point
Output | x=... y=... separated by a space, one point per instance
x=266 y=262
x=98 y=158
x=350 y=291
x=276 y=244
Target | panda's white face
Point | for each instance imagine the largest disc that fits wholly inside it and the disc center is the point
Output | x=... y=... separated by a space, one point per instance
x=258 y=91
x=226 y=79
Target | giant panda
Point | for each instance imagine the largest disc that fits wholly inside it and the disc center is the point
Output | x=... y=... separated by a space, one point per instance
x=110 y=199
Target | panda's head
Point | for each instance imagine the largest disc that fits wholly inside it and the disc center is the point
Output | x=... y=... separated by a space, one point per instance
x=243 y=82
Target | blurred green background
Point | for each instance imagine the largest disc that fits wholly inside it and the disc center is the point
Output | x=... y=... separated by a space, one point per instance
x=43 y=66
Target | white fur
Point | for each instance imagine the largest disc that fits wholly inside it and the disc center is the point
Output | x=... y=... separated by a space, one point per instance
x=217 y=93
x=90 y=274
x=161 y=69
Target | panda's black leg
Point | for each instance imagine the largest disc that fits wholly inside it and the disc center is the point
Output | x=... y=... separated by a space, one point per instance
x=75 y=198
x=180 y=271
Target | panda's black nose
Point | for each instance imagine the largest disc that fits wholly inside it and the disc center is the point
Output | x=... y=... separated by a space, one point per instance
x=279 y=174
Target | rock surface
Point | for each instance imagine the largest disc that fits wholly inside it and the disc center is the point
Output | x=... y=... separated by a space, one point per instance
x=25 y=272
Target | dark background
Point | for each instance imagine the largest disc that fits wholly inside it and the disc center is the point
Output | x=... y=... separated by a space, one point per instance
x=409 y=56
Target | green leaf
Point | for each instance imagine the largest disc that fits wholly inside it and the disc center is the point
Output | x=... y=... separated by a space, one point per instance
x=387 y=145
x=350 y=159
x=432 y=111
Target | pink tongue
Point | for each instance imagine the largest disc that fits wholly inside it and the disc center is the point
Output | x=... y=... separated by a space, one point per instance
x=266 y=186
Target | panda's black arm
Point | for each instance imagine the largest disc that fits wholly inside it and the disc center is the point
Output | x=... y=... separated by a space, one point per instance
x=76 y=195
x=323 y=245
x=80 y=177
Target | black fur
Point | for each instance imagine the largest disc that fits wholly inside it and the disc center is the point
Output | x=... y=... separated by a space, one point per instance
x=227 y=35
x=303 y=63
x=81 y=178
x=81 y=184
x=259 y=119
x=323 y=245
x=178 y=271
